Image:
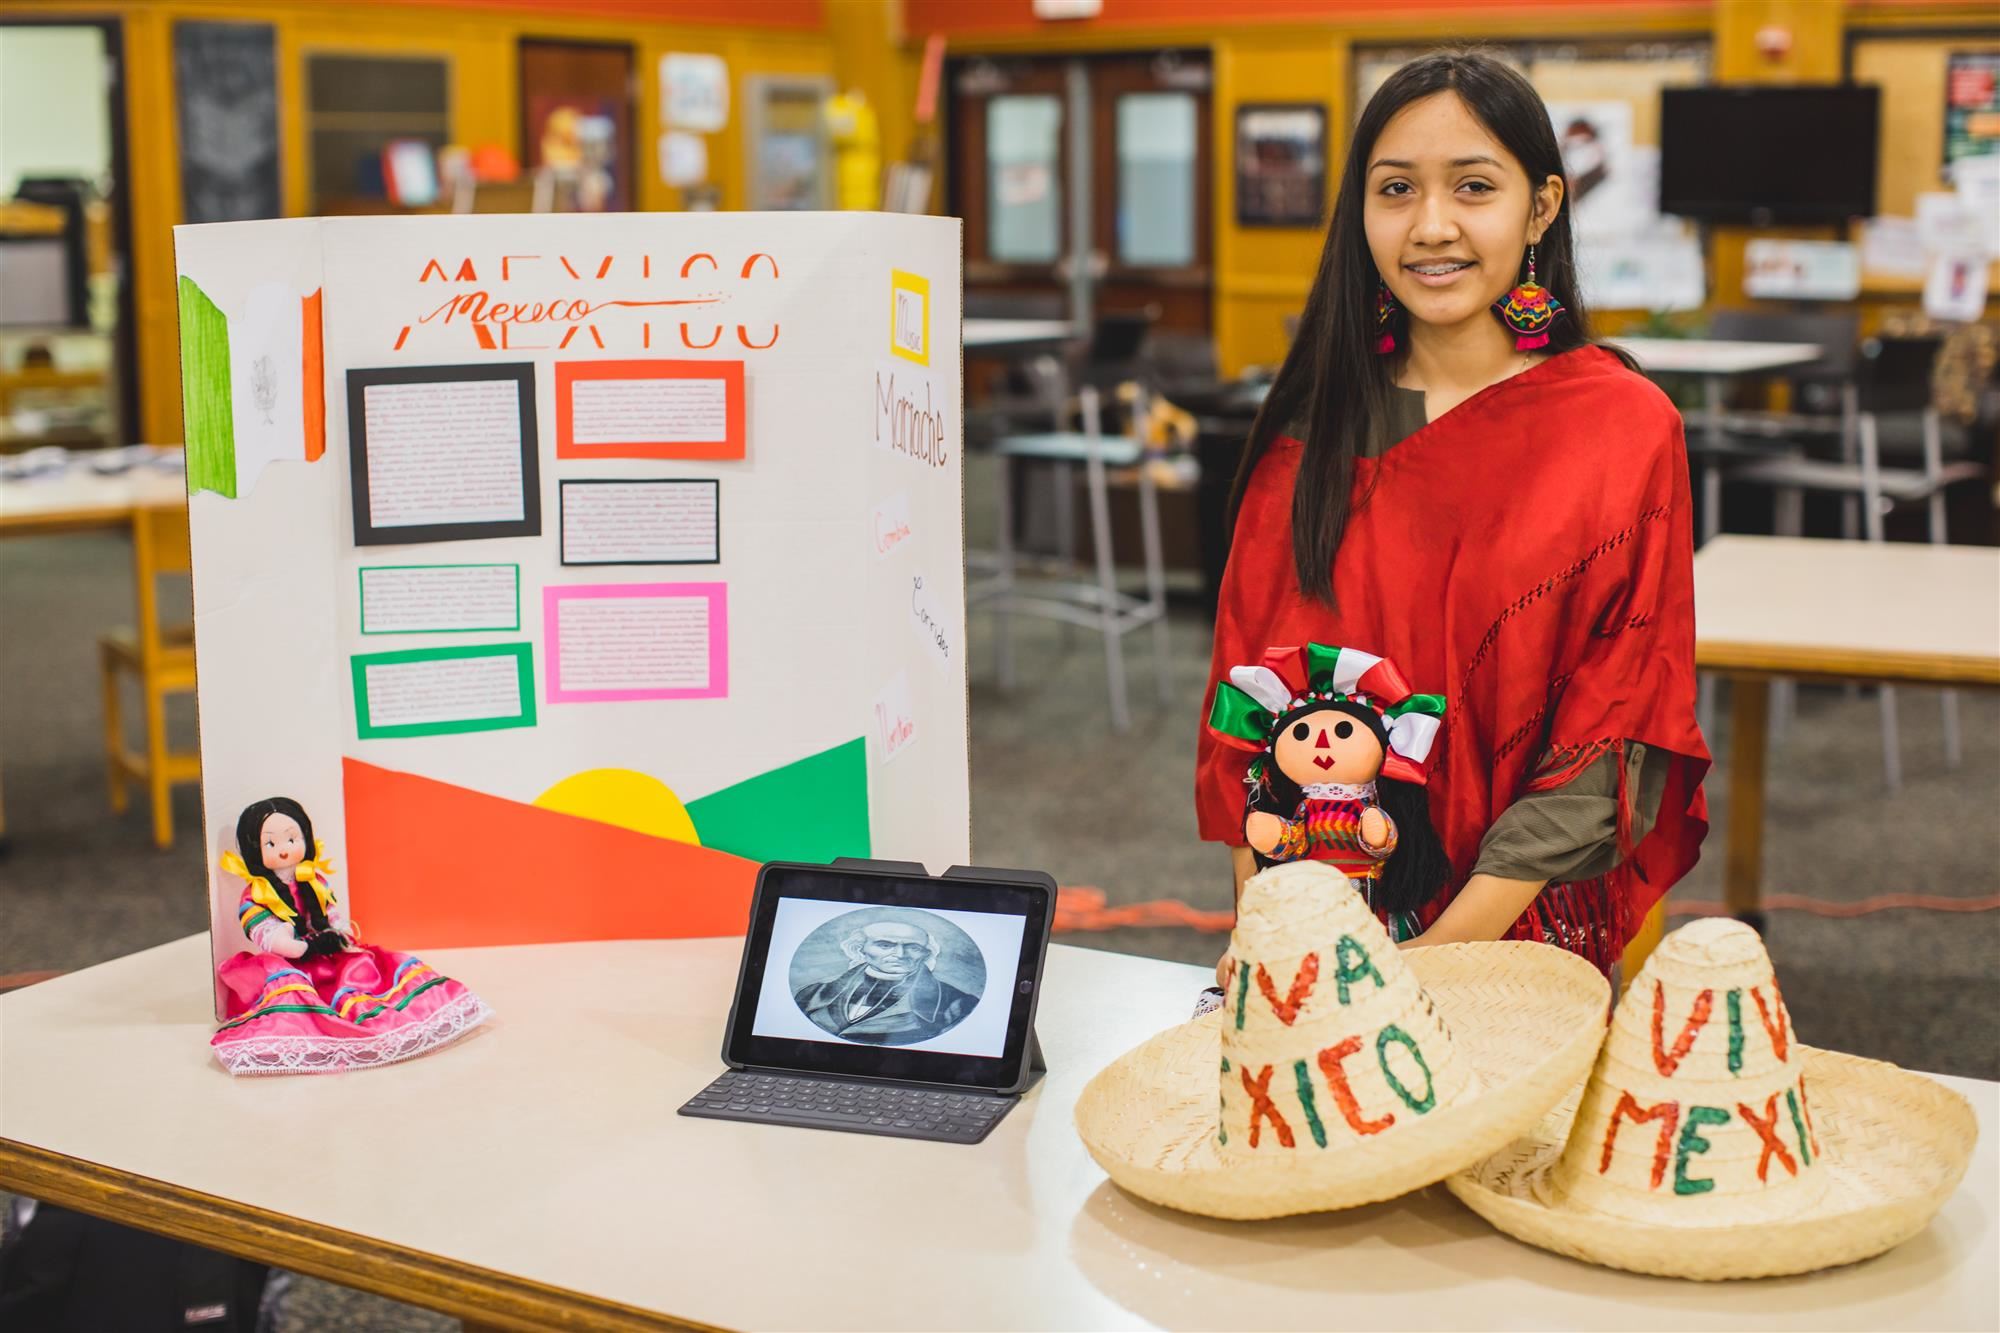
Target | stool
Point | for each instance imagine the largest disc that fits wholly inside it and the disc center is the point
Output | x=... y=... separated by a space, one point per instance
x=1092 y=603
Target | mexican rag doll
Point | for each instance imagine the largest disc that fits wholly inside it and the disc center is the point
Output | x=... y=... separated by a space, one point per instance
x=1340 y=744
x=309 y=996
x=1528 y=555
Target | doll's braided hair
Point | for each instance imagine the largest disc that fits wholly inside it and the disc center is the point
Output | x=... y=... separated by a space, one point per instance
x=250 y=846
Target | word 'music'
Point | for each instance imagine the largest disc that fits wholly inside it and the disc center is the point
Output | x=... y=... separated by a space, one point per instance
x=539 y=307
x=907 y=420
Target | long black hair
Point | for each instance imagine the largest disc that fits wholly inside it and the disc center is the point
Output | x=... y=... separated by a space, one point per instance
x=1333 y=378
x=250 y=846
x=1419 y=865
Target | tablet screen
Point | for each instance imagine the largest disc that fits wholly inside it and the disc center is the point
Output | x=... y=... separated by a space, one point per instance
x=889 y=976
x=920 y=979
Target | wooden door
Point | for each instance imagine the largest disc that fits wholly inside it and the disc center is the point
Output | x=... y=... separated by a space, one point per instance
x=1010 y=181
x=576 y=110
x=1152 y=201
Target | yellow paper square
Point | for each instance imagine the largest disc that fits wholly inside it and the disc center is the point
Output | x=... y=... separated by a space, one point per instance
x=910 y=317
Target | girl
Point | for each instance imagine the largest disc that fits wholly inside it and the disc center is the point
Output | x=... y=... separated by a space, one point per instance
x=1448 y=471
x=312 y=998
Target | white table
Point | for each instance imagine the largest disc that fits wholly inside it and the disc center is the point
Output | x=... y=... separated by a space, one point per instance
x=1715 y=357
x=536 y=1176
x=1016 y=335
x=80 y=498
x=1806 y=607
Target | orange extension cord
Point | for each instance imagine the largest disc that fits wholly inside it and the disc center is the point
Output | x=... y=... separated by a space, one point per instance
x=1083 y=909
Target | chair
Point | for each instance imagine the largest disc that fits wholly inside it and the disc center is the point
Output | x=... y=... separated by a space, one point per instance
x=1097 y=603
x=162 y=659
x=1895 y=382
x=1824 y=405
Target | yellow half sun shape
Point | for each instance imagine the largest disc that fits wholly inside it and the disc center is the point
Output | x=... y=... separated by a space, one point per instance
x=624 y=798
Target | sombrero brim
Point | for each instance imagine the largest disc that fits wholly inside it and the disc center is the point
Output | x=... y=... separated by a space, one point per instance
x=1528 y=1017
x=1896 y=1144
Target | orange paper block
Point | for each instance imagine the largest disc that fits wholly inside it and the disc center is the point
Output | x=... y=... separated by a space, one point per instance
x=659 y=408
x=314 y=397
x=432 y=865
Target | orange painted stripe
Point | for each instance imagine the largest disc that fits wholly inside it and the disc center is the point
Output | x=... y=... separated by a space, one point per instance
x=315 y=377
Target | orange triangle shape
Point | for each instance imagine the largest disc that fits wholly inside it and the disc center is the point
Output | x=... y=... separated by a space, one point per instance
x=432 y=865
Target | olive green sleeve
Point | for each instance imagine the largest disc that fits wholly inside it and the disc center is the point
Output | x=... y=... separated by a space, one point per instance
x=1571 y=832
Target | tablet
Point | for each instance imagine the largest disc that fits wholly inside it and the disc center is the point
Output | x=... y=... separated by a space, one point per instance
x=876 y=969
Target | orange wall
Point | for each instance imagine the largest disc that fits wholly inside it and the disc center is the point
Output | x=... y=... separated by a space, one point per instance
x=959 y=18
x=740 y=13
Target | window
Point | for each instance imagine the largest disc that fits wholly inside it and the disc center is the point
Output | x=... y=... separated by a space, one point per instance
x=1024 y=178
x=1156 y=179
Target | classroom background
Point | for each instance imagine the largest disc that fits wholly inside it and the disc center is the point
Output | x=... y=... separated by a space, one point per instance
x=1788 y=209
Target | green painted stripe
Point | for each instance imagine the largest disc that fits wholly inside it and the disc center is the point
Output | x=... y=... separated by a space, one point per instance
x=1735 y=1031
x=1306 y=1101
x=1242 y=991
x=1798 y=1124
x=208 y=420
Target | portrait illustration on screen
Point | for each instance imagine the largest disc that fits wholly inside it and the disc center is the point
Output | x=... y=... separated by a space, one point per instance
x=887 y=976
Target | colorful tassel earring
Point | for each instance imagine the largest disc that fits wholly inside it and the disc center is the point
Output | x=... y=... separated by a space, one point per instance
x=1529 y=310
x=1386 y=310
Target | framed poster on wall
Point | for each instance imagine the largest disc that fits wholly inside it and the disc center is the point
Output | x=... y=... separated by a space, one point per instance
x=1280 y=164
x=1971 y=105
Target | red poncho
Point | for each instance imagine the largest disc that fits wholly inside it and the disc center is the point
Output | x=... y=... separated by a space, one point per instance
x=1528 y=555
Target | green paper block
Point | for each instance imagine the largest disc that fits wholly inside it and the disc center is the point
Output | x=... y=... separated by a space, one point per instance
x=813 y=810
x=209 y=422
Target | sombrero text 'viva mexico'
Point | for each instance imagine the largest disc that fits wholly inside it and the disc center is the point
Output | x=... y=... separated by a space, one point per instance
x=1342 y=1070
x=1710 y=1143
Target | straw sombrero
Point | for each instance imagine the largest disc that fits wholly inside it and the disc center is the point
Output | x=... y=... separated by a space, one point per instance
x=1348 y=1070
x=1710 y=1143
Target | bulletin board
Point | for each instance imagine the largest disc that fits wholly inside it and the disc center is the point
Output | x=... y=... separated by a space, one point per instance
x=567 y=567
x=1912 y=73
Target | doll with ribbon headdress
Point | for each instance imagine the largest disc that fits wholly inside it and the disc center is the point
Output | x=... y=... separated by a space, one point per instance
x=1343 y=748
x=308 y=996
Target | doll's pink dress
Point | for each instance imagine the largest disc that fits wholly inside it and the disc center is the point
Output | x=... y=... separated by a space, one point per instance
x=348 y=1010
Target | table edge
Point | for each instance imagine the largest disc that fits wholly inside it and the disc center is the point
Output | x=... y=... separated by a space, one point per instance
x=1791 y=660
x=480 y=1296
x=81 y=519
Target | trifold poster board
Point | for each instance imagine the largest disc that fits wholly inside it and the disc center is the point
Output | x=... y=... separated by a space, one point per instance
x=566 y=567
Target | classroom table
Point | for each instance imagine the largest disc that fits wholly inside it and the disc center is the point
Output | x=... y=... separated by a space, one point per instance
x=535 y=1176
x=1716 y=361
x=81 y=499
x=1016 y=336
x=1806 y=608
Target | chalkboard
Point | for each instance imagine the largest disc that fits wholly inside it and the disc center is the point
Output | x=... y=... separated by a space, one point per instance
x=226 y=83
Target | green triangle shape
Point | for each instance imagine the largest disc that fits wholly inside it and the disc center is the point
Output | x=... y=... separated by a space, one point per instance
x=813 y=810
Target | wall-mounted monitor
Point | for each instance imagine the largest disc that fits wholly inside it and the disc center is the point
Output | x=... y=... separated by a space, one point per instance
x=1776 y=153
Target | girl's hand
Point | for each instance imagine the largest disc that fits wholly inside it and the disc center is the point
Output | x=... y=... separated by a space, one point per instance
x=288 y=946
x=1374 y=826
x=1263 y=830
x=1225 y=970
